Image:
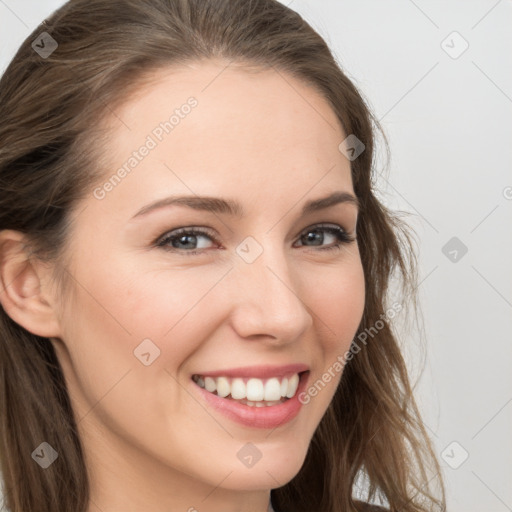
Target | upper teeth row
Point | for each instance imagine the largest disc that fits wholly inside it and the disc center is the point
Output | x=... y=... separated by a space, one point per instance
x=252 y=389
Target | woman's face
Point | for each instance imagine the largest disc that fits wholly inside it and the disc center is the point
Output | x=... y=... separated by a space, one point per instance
x=235 y=289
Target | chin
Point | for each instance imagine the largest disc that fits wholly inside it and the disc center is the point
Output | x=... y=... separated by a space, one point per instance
x=276 y=467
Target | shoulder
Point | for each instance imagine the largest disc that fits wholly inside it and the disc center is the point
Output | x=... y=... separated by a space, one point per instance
x=367 y=507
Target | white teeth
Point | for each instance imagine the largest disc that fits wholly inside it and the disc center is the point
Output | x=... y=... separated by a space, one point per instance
x=284 y=387
x=209 y=384
x=293 y=383
x=262 y=404
x=238 y=389
x=223 y=387
x=253 y=392
x=272 y=390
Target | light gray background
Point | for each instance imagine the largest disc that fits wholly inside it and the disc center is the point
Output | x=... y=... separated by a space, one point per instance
x=448 y=121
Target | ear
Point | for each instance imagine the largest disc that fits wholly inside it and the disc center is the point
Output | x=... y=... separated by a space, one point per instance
x=25 y=286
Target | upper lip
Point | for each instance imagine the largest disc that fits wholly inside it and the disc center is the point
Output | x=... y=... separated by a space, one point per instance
x=261 y=371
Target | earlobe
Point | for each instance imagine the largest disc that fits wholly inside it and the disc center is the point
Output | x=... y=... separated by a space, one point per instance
x=23 y=293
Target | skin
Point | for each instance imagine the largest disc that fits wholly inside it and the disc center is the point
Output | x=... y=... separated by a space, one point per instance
x=271 y=143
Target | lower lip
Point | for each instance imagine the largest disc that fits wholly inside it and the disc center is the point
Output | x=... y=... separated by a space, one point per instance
x=258 y=417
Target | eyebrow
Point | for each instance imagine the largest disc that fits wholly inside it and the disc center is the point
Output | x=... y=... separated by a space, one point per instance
x=231 y=207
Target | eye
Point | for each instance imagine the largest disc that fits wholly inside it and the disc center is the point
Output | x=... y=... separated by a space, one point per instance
x=316 y=234
x=183 y=239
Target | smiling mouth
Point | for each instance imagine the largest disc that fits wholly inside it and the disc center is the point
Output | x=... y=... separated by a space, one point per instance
x=252 y=391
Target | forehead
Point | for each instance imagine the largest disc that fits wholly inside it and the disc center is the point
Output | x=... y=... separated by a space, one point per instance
x=226 y=129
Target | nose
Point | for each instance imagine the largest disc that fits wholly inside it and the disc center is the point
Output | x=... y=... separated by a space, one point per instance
x=267 y=299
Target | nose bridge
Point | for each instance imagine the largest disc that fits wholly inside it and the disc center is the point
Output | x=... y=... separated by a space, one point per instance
x=268 y=300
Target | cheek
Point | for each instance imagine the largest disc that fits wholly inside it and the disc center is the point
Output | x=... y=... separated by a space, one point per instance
x=126 y=316
x=117 y=307
x=145 y=301
x=336 y=297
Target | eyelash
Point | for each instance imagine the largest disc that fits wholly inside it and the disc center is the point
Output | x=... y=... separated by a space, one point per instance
x=161 y=242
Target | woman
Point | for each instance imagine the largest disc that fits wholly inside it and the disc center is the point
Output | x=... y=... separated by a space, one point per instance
x=195 y=268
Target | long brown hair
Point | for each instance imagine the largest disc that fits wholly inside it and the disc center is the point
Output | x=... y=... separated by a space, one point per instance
x=50 y=152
